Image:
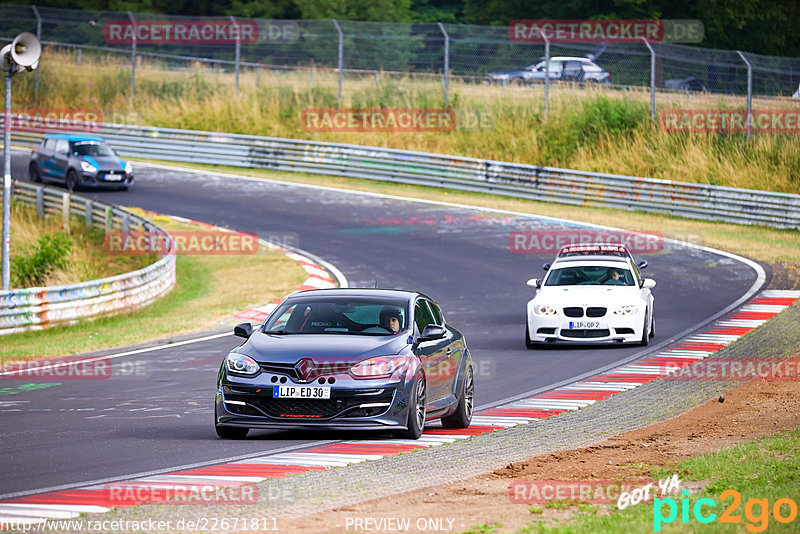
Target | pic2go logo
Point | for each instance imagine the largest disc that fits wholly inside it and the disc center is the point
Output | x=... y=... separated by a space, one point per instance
x=757 y=521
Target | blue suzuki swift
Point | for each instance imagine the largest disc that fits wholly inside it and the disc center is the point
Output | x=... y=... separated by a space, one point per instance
x=79 y=160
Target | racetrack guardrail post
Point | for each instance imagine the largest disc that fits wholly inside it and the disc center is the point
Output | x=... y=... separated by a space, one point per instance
x=40 y=202
x=133 y=57
x=87 y=213
x=65 y=200
x=652 y=80
x=238 y=50
x=341 y=57
x=749 y=93
x=446 y=72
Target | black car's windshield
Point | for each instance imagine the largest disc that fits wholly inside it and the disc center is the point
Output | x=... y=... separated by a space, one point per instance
x=590 y=275
x=346 y=316
x=90 y=148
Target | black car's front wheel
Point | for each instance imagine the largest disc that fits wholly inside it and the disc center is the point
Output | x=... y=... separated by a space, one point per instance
x=34 y=172
x=462 y=417
x=229 y=432
x=72 y=179
x=416 y=410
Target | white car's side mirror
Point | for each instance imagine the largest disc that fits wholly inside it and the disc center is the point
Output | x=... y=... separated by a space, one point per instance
x=534 y=283
x=649 y=283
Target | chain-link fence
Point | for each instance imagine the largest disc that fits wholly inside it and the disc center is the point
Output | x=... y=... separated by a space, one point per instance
x=436 y=51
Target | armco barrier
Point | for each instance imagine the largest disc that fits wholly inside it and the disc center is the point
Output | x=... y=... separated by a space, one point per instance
x=549 y=184
x=35 y=308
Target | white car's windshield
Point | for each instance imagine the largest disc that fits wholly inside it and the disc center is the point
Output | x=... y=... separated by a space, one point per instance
x=353 y=316
x=590 y=275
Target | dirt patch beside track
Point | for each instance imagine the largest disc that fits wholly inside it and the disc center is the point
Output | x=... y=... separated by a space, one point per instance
x=751 y=411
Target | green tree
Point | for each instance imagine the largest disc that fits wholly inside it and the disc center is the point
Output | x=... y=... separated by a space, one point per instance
x=373 y=10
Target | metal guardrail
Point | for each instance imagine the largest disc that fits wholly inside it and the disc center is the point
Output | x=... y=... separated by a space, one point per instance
x=35 y=308
x=534 y=182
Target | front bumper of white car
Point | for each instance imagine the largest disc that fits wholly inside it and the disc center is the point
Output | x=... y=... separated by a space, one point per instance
x=597 y=327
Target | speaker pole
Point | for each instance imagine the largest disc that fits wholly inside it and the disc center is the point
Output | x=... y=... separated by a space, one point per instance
x=22 y=54
x=7 y=180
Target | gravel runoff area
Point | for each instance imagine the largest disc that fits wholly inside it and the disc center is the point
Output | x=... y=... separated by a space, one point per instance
x=317 y=491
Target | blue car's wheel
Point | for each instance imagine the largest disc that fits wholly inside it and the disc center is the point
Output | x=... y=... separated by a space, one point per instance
x=72 y=179
x=34 y=173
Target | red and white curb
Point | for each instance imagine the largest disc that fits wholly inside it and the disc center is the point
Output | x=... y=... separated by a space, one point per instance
x=319 y=276
x=67 y=504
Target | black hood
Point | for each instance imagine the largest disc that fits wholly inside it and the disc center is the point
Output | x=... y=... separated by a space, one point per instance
x=331 y=348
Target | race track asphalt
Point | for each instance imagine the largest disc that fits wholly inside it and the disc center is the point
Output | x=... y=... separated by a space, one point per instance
x=155 y=413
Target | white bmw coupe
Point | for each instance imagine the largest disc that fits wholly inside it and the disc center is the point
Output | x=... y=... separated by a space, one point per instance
x=591 y=299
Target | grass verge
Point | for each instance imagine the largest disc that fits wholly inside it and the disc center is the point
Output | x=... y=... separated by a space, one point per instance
x=207 y=290
x=762 y=472
x=769 y=245
x=593 y=129
x=86 y=259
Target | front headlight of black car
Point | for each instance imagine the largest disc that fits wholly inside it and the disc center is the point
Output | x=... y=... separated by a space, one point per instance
x=380 y=366
x=241 y=364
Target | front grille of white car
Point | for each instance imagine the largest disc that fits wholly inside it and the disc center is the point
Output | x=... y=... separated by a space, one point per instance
x=574 y=311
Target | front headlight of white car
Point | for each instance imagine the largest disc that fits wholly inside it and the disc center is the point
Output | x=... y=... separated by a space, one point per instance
x=239 y=363
x=629 y=309
x=88 y=167
x=542 y=309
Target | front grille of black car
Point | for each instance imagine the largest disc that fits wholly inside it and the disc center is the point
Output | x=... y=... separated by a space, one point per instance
x=584 y=333
x=280 y=369
x=595 y=312
x=307 y=408
x=573 y=312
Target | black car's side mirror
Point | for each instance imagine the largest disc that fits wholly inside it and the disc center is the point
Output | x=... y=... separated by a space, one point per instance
x=546 y=266
x=244 y=330
x=431 y=333
x=642 y=264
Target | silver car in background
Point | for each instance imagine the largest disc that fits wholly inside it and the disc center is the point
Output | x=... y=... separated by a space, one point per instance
x=562 y=68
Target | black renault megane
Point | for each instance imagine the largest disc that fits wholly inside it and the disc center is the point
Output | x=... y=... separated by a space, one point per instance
x=361 y=359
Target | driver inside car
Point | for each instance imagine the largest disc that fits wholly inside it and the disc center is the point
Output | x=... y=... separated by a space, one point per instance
x=614 y=278
x=391 y=319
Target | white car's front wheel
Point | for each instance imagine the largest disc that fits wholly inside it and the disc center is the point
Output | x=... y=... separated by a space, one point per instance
x=645 y=333
x=653 y=324
x=528 y=343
